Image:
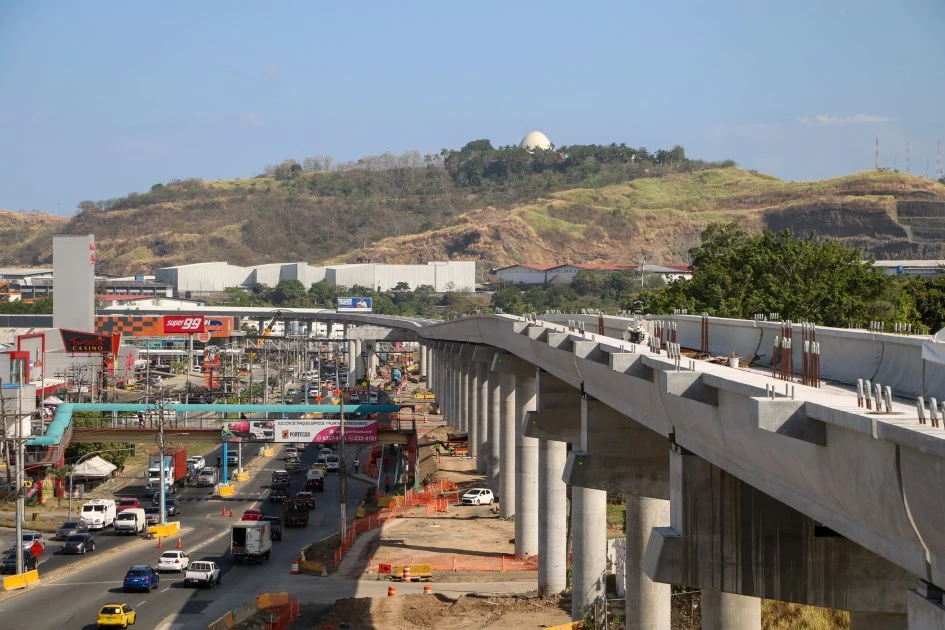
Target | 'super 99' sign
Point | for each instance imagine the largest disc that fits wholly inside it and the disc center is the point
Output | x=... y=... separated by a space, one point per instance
x=187 y=324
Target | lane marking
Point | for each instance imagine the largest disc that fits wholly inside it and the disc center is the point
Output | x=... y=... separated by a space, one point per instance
x=145 y=601
x=168 y=588
x=78 y=583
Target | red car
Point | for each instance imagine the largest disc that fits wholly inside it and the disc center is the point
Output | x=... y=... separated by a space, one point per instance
x=126 y=504
x=252 y=515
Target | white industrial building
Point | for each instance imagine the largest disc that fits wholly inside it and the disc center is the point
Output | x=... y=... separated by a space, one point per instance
x=453 y=275
x=564 y=273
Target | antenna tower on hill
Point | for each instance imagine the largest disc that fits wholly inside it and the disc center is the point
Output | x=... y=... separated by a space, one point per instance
x=938 y=160
x=907 y=156
x=877 y=154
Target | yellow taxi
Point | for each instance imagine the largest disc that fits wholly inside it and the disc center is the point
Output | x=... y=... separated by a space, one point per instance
x=121 y=615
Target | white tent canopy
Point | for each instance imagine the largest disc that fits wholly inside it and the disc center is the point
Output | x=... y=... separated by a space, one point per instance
x=52 y=400
x=933 y=349
x=94 y=468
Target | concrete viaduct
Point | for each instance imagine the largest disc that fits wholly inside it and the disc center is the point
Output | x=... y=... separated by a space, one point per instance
x=737 y=483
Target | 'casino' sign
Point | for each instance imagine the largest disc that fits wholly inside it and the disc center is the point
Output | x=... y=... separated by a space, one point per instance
x=79 y=342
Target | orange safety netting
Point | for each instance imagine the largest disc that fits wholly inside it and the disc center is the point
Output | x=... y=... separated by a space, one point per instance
x=282 y=617
x=437 y=498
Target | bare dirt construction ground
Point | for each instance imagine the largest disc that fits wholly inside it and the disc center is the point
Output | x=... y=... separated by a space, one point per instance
x=469 y=538
x=433 y=612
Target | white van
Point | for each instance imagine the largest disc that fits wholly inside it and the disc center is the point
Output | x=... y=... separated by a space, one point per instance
x=98 y=513
x=130 y=521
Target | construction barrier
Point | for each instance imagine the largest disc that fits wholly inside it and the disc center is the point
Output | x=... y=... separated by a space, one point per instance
x=227 y=491
x=242 y=476
x=283 y=609
x=572 y=625
x=423 y=566
x=164 y=531
x=16 y=582
x=437 y=497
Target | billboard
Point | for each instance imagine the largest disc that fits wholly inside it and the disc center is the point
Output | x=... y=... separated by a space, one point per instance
x=187 y=324
x=76 y=341
x=354 y=305
x=321 y=431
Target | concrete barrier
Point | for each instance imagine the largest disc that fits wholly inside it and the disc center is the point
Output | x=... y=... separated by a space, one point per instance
x=32 y=577
x=271 y=600
x=245 y=612
x=225 y=622
x=227 y=491
x=242 y=476
x=573 y=625
x=164 y=531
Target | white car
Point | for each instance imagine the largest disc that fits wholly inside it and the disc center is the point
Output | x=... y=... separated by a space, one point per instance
x=332 y=463
x=323 y=455
x=202 y=572
x=478 y=496
x=199 y=462
x=29 y=538
x=173 y=561
x=290 y=451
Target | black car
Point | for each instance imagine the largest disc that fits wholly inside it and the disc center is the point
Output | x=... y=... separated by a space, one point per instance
x=315 y=485
x=79 y=543
x=275 y=526
x=69 y=528
x=279 y=493
x=8 y=564
x=171 y=508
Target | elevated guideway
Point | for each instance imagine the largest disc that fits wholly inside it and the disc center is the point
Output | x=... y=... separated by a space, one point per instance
x=872 y=476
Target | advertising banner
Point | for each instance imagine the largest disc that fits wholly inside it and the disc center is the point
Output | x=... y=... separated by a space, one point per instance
x=76 y=341
x=321 y=431
x=187 y=324
x=354 y=305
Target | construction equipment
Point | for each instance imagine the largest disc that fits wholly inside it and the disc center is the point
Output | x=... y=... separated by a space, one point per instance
x=265 y=333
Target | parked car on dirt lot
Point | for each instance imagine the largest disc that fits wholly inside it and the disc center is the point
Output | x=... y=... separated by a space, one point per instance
x=478 y=496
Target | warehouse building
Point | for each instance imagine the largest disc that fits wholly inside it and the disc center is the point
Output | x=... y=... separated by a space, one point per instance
x=454 y=275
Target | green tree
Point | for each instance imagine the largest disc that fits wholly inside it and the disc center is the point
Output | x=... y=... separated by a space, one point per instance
x=737 y=274
x=289 y=293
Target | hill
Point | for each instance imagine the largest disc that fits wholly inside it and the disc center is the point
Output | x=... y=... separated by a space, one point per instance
x=416 y=214
x=884 y=214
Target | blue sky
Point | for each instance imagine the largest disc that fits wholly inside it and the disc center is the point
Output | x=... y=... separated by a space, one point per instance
x=99 y=99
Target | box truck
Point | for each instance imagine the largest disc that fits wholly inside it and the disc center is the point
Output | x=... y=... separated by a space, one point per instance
x=251 y=540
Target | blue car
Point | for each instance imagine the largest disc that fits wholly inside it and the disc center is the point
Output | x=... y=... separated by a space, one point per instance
x=141 y=577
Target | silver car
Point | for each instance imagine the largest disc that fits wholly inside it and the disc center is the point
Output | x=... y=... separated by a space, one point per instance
x=69 y=528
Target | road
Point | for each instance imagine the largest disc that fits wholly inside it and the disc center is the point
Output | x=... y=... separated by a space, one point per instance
x=98 y=576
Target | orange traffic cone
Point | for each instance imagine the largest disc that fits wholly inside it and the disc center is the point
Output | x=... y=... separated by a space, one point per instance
x=391 y=591
x=427 y=589
x=179 y=546
x=231 y=512
x=223 y=511
x=160 y=543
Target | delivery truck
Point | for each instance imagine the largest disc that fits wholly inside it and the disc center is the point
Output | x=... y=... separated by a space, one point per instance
x=175 y=469
x=250 y=541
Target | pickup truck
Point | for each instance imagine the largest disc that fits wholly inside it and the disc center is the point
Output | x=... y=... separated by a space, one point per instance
x=202 y=572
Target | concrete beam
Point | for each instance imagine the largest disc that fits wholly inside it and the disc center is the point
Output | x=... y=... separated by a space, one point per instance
x=788 y=417
x=617 y=454
x=727 y=536
x=558 y=413
x=926 y=610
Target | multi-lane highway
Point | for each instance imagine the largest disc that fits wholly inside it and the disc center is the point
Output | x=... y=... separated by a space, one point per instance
x=82 y=584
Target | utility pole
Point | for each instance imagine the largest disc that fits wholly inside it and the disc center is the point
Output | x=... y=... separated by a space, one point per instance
x=20 y=507
x=162 y=497
x=343 y=487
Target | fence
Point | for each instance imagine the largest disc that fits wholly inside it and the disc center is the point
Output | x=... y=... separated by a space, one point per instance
x=436 y=498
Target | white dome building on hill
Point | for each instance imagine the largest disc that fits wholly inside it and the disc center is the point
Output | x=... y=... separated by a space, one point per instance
x=535 y=140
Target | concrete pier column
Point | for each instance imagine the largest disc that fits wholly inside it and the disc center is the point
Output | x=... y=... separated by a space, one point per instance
x=507 y=431
x=352 y=361
x=648 y=603
x=495 y=432
x=456 y=394
x=552 y=518
x=463 y=391
x=878 y=621
x=482 y=419
x=450 y=391
x=423 y=360
x=588 y=547
x=472 y=401
x=526 y=471
x=358 y=363
x=724 y=611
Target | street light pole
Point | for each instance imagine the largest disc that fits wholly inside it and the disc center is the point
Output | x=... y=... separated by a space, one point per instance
x=344 y=471
x=20 y=507
x=162 y=496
